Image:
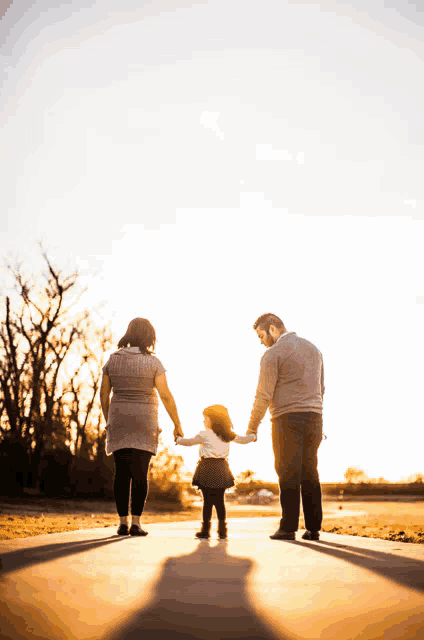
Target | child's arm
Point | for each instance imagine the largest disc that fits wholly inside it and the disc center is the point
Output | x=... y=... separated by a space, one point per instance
x=244 y=439
x=188 y=442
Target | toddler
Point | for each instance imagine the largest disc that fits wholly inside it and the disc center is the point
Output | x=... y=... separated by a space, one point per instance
x=213 y=474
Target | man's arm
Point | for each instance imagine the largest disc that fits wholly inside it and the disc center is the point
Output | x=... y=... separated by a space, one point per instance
x=268 y=376
x=245 y=439
x=322 y=382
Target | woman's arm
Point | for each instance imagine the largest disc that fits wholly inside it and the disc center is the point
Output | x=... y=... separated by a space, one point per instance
x=167 y=398
x=105 y=390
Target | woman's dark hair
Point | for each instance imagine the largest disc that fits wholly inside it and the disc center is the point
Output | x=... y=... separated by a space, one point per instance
x=220 y=422
x=141 y=334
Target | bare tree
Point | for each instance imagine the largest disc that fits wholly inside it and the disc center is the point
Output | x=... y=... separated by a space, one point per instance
x=35 y=339
x=41 y=405
x=84 y=414
x=14 y=375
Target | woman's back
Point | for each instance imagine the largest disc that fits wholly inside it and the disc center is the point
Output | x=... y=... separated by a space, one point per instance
x=132 y=375
x=133 y=412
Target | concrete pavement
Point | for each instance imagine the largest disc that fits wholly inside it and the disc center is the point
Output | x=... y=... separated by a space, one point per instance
x=170 y=586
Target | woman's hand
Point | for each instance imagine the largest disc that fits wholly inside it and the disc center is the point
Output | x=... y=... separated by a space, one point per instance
x=178 y=432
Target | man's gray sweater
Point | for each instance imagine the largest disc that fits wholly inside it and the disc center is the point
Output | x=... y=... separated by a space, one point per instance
x=291 y=379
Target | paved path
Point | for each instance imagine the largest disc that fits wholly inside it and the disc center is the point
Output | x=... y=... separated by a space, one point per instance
x=169 y=586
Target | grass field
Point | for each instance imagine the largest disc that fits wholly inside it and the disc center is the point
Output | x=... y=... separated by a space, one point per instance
x=390 y=520
x=20 y=519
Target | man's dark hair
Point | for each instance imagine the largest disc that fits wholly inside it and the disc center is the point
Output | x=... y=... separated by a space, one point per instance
x=141 y=334
x=266 y=320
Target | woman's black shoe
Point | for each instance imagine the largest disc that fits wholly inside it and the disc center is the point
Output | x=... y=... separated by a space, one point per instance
x=137 y=531
x=123 y=530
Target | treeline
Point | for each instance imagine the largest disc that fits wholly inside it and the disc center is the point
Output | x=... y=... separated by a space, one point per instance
x=52 y=436
x=341 y=490
x=356 y=483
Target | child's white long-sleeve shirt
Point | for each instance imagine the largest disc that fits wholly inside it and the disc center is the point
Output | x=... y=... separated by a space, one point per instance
x=211 y=446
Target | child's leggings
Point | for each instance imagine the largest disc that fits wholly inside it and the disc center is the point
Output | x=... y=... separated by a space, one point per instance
x=213 y=497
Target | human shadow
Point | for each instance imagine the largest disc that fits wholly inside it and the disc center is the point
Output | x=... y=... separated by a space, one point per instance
x=406 y=572
x=201 y=595
x=13 y=560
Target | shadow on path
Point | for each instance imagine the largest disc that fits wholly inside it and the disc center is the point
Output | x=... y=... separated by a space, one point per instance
x=13 y=560
x=202 y=595
x=406 y=572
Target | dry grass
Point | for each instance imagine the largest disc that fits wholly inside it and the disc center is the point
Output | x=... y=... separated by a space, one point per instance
x=386 y=529
x=35 y=517
x=400 y=521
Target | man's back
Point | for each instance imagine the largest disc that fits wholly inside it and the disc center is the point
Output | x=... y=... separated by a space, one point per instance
x=292 y=371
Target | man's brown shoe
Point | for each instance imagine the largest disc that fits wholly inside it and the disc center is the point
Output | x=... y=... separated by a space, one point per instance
x=311 y=535
x=283 y=535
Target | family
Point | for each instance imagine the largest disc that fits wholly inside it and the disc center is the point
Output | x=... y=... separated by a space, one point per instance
x=291 y=386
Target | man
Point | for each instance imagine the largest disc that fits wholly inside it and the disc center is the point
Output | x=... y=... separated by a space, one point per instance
x=291 y=384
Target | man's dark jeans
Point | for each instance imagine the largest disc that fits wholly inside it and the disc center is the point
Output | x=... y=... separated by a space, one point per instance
x=295 y=439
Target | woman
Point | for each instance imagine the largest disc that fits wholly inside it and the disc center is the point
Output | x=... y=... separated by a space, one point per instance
x=132 y=430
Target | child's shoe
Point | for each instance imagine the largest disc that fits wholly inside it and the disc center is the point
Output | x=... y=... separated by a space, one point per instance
x=222 y=530
x=204 y=531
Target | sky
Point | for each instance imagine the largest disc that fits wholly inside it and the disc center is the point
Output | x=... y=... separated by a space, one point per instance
x=202 y=163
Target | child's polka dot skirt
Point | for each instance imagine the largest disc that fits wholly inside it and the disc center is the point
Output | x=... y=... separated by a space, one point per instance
x=213 y=473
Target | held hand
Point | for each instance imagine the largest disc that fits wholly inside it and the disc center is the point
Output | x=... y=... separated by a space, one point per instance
x=178 y=432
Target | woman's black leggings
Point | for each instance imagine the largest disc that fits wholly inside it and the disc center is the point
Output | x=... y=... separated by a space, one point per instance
x=213 y=497
x=131 y=468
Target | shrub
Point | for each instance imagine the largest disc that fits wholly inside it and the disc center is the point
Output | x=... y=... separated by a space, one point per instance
x=165 y=478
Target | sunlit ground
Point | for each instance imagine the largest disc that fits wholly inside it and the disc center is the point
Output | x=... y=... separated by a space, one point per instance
x=389 y=520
